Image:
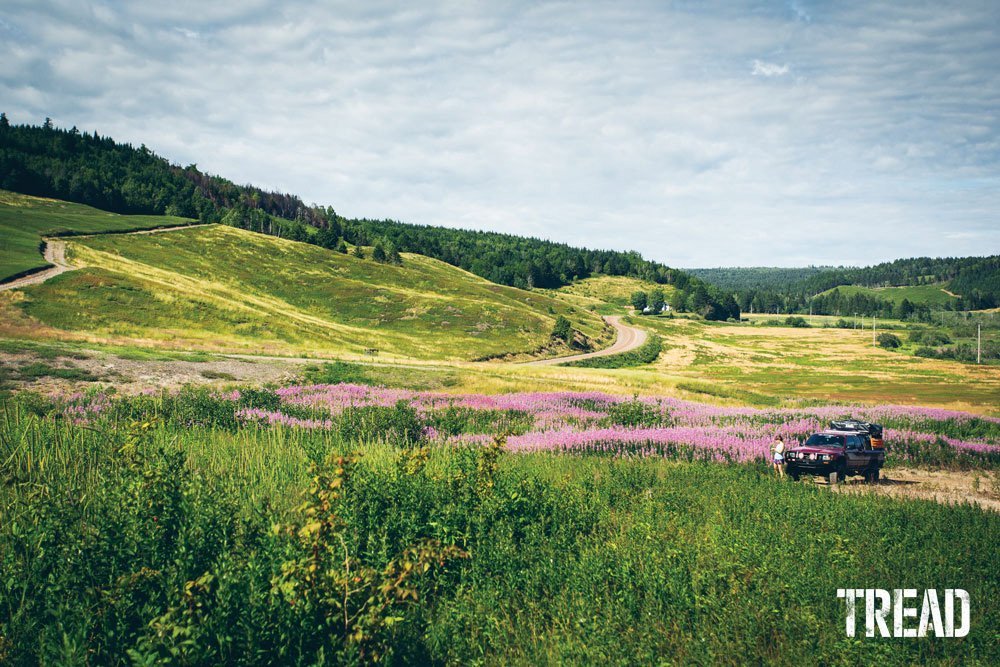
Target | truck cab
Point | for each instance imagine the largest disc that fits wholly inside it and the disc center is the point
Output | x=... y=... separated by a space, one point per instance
x=836 y=454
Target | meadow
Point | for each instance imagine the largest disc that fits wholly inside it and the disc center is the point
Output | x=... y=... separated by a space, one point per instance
x=220 y=288
x=24 y=220
x=198 y=527
x=770 y=364
x=607 y=295
x=936 y=295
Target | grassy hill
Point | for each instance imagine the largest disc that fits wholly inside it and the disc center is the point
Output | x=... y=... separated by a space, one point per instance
x=217 y=287
x=932 y=295
x=25 y=219
x=615 y=290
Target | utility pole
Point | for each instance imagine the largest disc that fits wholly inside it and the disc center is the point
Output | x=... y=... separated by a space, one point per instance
x=873 y=330
x=979 y=343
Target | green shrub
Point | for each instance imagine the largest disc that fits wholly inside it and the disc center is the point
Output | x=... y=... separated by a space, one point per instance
x=647 y=353
x=636 y=413
x=888 y=341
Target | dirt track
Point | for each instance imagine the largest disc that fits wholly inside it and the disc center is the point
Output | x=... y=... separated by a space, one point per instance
x=629 y=338
x=55 y=254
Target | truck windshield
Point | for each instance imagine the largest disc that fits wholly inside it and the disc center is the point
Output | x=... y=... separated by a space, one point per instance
x=822 y=440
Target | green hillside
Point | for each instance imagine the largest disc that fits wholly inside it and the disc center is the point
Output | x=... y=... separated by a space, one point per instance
x=224 y=288
x=932 y=295
x=611 y=289
x=25 y=219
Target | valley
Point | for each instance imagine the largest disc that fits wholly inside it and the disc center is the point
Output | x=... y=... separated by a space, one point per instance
x=229 y=417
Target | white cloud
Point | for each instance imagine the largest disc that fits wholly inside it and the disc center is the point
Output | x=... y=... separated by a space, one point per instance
x=625 y=126
x=761 y=68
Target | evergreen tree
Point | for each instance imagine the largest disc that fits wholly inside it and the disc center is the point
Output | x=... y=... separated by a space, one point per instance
x=563 y=329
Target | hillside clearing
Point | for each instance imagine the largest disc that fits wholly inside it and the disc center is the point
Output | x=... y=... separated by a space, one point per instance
x=221 y=288
x=24 y=220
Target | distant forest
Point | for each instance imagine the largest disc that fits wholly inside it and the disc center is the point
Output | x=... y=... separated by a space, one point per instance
x=976 y=281
x=756 y=277
x=90 y=169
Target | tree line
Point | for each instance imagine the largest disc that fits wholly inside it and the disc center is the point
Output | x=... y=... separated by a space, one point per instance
x=91 y=169
x=693 y=296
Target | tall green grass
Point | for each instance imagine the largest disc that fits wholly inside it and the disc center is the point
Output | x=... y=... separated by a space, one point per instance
x=148 y=541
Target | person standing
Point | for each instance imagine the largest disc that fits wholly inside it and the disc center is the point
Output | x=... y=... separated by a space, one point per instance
x=778 y=455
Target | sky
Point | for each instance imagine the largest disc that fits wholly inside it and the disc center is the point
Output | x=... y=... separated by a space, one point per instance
x=700 y=134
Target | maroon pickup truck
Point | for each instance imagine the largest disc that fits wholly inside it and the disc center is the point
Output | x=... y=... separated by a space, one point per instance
x=836 y=454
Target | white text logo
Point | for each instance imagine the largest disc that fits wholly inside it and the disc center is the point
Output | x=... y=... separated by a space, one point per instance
x=937 y=616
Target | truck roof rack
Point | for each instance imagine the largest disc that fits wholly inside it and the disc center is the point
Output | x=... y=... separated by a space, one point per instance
x=874 y=430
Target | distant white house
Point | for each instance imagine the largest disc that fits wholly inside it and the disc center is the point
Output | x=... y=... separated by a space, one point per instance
x=649 y=309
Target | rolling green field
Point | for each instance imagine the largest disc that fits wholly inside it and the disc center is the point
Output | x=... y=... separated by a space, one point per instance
x=932 y=295
x=25 y=219
x=223 y=288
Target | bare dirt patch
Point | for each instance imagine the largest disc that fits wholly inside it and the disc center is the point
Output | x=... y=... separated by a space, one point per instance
x=948 y=487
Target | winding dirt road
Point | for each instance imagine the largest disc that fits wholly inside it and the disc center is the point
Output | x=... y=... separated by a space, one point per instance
x=55 y=254
x=629 y=338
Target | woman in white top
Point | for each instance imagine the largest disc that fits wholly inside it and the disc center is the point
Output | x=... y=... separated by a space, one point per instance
x=778 y=450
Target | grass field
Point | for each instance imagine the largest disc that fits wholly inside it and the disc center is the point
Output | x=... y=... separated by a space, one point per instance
x=24 y=220
x=160 y=531
x=775 y=363
x=607 y=294
x=224 y=288
x=932 y=295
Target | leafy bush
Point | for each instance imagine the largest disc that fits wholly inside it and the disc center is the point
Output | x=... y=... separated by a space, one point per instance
x=929 y=337
x=398 y=424
x=888 y=341
x=797 y=322
x=336 y=372
x=636 y=413
x=645 y=354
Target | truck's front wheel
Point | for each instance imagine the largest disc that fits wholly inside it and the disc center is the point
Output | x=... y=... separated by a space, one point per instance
x=793 y=473
x=840 y=474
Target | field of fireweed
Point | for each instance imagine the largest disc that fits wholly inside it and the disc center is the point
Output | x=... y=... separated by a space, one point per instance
x=572 y=422
x=353 y=524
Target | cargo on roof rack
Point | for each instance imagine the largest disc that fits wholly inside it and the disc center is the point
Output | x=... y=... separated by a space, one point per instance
x=873 y=430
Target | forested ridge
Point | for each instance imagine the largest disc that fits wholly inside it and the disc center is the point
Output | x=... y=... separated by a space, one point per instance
x=87 y=168
x=974 y=280
x=738 y=278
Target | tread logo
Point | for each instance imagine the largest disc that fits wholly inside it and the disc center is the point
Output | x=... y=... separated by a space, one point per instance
x=900 y=604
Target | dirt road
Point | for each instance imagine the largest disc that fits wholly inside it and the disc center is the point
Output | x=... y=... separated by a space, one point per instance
x=55 y=254
x=629 y=338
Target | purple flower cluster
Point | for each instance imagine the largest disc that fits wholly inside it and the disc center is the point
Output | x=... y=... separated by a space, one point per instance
x=578 y=421
x=272 y=418
x=83 y=408
x=581 y=421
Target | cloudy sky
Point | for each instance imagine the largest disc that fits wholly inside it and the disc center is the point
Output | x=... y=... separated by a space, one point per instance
x=701 y=134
